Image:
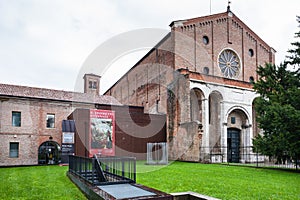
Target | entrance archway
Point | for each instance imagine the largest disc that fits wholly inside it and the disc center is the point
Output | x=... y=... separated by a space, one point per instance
x=49 y=153
x=238 y=135
x=233 y=145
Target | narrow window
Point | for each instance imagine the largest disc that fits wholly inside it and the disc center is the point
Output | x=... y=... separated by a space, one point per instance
x=50 y=121
x=232 y=120
x=16 y=118
x=94 y=85
x=14 y=149
x=90 y=84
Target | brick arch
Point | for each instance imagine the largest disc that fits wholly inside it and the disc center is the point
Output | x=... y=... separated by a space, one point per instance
x=49 y=152
x=196 y=107
x=241 y=110
x=215 y=99
x=241 y=119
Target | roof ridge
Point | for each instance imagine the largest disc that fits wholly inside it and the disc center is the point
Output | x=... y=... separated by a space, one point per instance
x=53 y=94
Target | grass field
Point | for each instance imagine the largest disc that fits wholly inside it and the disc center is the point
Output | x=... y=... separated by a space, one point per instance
x=42 y=182
x=222 y=181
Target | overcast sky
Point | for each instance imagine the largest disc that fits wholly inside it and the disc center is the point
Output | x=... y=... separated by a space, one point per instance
x=43 y=43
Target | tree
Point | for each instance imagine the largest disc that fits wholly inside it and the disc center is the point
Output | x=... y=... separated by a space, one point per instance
x=278 y=107
x=294 y=57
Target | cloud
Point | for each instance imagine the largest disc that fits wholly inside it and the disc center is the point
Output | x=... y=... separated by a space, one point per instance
x=44 y=43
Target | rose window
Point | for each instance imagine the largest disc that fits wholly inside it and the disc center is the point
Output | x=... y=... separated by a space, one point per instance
x=229 y=63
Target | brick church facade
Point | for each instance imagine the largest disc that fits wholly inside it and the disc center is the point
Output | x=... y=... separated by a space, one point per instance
x=201 y=75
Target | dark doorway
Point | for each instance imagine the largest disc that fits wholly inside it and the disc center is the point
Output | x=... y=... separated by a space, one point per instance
x=233 y=145
x=49 y=153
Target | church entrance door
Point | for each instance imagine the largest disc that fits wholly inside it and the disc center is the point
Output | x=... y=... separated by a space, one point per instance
x=233 y=145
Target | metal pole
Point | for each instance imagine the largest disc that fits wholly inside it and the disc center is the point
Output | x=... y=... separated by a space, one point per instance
x=256 y=159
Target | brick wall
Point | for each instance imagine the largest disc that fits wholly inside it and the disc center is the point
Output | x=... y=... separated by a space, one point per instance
x=223 y=32
x=33 y=131
x=145 y=84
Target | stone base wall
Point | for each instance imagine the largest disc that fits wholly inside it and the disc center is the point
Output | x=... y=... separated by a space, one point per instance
x=186 y=144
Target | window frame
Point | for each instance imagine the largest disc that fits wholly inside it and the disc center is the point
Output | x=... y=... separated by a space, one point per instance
x=93 y=84
x=14 y=152
x=47 y=118
x=232 y=120
x=14 y=118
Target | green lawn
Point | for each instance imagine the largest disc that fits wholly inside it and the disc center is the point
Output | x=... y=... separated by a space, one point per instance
x=42 y=182
x=221 y=181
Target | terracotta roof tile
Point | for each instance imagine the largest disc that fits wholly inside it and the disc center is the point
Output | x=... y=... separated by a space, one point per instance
x=43 y=93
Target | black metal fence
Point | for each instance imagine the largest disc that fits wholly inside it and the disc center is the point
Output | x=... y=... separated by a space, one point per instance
x=117 y=168
x=247 y=157
x=104 y=170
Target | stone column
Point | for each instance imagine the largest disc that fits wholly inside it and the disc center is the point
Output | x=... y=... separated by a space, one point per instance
x=224 y=143
x=205 y=122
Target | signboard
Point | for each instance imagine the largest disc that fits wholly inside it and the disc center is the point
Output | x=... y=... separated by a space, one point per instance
x=67 y=146
x=67 y=149
x=68 y=138
x=102 y=132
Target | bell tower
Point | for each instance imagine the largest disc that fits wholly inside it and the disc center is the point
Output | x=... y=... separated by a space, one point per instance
x=91 y=84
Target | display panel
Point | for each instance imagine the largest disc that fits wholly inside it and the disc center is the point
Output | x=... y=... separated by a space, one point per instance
x=102 y=132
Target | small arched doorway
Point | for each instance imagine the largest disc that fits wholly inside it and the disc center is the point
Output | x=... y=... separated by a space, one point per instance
x=238 y=136
x=233 y=145
x=49 y=153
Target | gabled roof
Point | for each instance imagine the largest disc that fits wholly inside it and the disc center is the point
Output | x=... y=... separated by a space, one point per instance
x=212 y=17
x=56 y=95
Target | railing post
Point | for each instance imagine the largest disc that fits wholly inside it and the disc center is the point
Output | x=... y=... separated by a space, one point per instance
x=296 y=161
x=123 y=168
x=70 y=165
x=86 y=160
x=80 y=164
x=73 y=163
x=256 y=159
x=134 y=169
